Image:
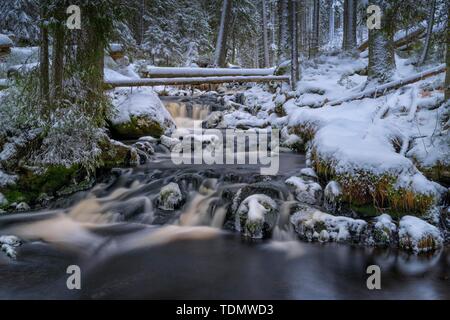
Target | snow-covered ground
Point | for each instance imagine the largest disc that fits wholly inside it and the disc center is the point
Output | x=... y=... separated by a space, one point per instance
x=393 y=135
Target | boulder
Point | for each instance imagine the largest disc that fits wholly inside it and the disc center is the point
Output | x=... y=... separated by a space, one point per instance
x=3 y=201
x=383 y=231
x=256 y=216
x=309 y=192
x=139 y=113
x=333 y=197
x=8 y=244
x=170 y=197
x=213 y=120
x=312 y=224
x=418 y=235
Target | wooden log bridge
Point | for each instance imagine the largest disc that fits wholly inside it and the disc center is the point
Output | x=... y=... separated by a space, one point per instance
x=168 y=72
x=193 y=81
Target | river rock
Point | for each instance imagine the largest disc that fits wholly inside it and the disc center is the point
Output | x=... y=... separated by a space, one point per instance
x=382 y=231
x=213 y=120
x=170 y=197
x=273 y=190
x=256 y=216
x=309 y=174
x=23 y=206
x=312 y=224
x=418 y=235
x=8 y=244
x=169 y=142
x=139 y=113
x=309 y=192
x=333 y=197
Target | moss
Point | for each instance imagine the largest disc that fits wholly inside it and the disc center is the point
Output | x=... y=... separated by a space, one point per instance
x=439 y=173
x=137 y=127
x=30 y=185
x=369 y=194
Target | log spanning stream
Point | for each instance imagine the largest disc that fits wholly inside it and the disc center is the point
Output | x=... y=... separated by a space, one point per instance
x=127 y=247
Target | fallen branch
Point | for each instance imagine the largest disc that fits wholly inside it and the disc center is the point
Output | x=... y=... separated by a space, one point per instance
x=161 y=72
x=383 y=89
x=191 y=81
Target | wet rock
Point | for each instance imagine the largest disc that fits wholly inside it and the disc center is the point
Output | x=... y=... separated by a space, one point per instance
x=23 y=206
x=382 y=231
x=308 y=174
x=309 y=192
x=170 y=197
x=418 y=235
x=333 y=197
x=213 y=120
x=312 y=224
x=256 y=216
x=273 y=190
x=145 y=146
x=169 y=142
x=8 y=245
x=117 y=154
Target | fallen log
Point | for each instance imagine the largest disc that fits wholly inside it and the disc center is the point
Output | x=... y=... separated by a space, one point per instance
x=383 y=89
x=162 y=72
x=400 y=42
x=191 y=81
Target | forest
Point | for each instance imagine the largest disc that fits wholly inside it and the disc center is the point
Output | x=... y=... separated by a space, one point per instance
x=350 y=98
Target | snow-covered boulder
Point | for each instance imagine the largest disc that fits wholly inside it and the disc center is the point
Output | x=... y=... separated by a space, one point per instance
x=418 y=235
x=308 y=174
x=213 y=120
x=5 y=44
x=306 y=191
x=169 y=142
x=382 y=231
x=23 y=206
x=333 y=197
x=313 y=225
x=170 y=197
x=256 y=216
x=8 y=244
x=140 y=113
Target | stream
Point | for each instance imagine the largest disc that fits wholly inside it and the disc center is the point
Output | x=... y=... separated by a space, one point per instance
x=127 y=247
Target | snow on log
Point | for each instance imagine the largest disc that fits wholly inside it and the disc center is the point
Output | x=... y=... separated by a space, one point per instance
x=161 y=72
x=191 y=81
x=383 y=89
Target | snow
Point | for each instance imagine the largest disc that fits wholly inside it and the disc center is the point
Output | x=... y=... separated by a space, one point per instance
x=418 y=235
x=170 y=197
x=5 y=41
x=314 y=225
x=306 y=191
x=8 y=244
x=7 y=179
x=167 y=72
x=138 y=102
x=115 y=47
x=255 y=215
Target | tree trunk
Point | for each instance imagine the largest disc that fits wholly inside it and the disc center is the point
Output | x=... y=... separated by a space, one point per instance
x=331 y=26
x=426 y=46
x=315 y=35
x=265 y=35
x=43 y=58
x=349 y=39
x=294 y=45
x=283 y=45
x=381 y=46
x=447 y=78
x=58 y=54
x=220 y=55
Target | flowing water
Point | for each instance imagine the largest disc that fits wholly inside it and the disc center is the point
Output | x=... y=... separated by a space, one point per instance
x=127 y=247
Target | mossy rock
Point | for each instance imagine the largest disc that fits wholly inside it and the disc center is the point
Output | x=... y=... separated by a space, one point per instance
x=137 y=127
x=31 y=184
